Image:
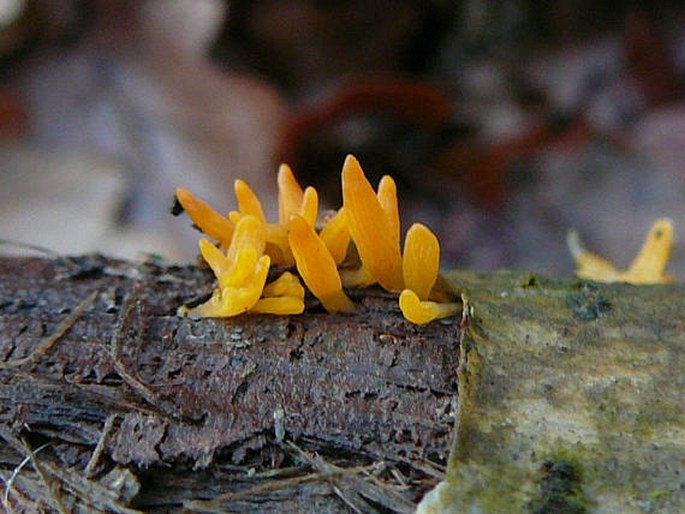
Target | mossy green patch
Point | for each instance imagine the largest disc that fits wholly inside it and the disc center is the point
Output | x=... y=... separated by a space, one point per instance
x=570 y=398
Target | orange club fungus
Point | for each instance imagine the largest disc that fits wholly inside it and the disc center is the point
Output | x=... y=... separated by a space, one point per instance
x=247 y=246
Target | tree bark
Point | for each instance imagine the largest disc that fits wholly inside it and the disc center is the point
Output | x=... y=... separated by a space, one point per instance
x=110 y=402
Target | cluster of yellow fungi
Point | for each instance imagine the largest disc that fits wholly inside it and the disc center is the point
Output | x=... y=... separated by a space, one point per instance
x=247 y=246
x=647 y=268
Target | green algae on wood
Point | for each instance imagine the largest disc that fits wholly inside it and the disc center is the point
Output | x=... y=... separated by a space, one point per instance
x=571 y=399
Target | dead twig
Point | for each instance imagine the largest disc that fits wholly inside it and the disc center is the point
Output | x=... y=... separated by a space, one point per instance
x=214 y=505
x=92 y=462
x=351 y=489
x=15 y=473
x=54 y=495
x=93 y=494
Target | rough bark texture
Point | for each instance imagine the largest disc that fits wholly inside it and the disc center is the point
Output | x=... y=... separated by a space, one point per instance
x=110 y=402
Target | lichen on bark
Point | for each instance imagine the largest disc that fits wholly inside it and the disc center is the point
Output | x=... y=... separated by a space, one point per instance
x=574 y=374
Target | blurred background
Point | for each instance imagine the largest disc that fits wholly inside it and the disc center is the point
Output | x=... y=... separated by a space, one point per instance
x=505 y=123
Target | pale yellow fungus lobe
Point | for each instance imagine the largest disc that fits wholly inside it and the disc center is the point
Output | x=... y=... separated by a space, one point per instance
x=421 y=260
x=649 y=265
x=422 y=312
x=647 y=268
x=207 y=219
x=373 y=234
x=316 y=266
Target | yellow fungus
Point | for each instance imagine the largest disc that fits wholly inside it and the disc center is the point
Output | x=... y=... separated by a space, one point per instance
x=241 y=288
x=282 y=305
x=241 y=272
x=276 y=236
x=336 y=236
x=249 y=246
x=207 y=219
x=249 y=231
x=221 y=266
x=358 y=277
x=647 y=268
x=285 y=285
x=421 y=260
x=293 y=201
x=290 y=194
x=248 y=203
x=590 y=265
x=422 y=312
x=316 y=266
x=284 y=296
x=368 y=224
x=387 y=197
x=309 y=208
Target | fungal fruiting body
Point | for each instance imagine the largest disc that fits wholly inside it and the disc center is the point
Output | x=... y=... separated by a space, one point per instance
x=373 y=229
x=247 y=245
x=647 y=268
x=420 y=269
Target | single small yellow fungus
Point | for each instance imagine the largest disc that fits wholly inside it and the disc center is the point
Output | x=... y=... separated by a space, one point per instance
x=647 y=268
x=370 y=229
x=241 y=272
x=336 y=236
x=248 y=203
x=316 y=266
x=421 y=260
x=387 y=197
x=207 y=219
x=240 y=285
x=290 y=194
x=422 y=312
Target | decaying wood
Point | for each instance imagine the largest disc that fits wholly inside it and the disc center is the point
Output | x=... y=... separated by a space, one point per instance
x=109 y=402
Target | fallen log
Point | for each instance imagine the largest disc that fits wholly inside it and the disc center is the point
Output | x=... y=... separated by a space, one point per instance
x=557 y=396
x=136 y=409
